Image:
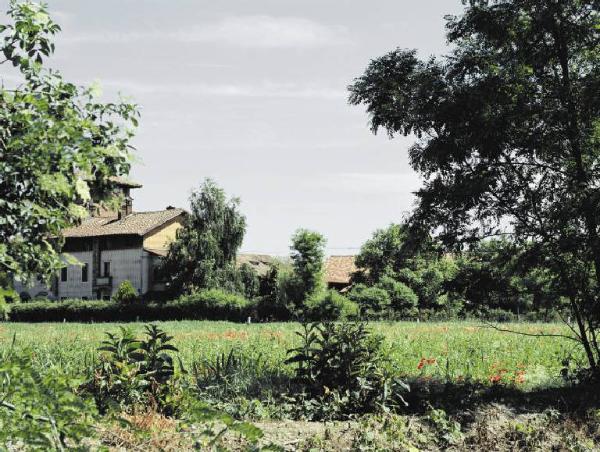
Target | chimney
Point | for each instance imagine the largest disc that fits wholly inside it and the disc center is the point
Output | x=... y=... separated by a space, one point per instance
x=127 y=205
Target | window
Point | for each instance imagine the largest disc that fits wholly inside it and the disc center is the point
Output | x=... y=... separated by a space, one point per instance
x=106 y=269
x=84 y=272
x=63 y=274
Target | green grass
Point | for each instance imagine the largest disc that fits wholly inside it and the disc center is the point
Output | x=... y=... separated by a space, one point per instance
x=462 y=350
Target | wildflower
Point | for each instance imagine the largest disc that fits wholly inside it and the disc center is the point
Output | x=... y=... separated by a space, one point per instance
x=495 y=378
x=425 y=362
x=520 y=377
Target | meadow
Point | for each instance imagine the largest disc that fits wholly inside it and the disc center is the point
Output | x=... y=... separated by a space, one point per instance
x=449 y=351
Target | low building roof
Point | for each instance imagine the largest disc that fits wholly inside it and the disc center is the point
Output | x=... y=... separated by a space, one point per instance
x=339 y=269
x=260 y=262
x=136 y=223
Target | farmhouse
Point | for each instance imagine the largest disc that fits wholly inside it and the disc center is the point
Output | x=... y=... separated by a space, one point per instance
x=110 y=247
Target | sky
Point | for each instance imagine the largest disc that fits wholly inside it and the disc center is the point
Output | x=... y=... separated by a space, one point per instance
x=253 y=94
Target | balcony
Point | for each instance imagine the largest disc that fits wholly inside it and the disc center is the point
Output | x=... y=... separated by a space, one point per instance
x=103 y=282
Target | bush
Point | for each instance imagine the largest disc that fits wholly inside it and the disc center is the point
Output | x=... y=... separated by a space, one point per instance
x=212 y=304
x=342 y=367
x=40 y=409
x=205 y=305
x=133 y=371
x=125 y=293
x=374 y=302
x=4 y=310
x=403 y=299
x=330 y=305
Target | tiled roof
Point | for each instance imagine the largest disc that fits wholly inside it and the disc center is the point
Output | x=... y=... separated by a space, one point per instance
x=137 y=223
x=123 y=182
x=260 y=262
x=339 y=269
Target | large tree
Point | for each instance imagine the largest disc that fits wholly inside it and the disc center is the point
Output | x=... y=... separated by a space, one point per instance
x=203 y=254
x=59 y=146
x=308 y=260
x=508 y=136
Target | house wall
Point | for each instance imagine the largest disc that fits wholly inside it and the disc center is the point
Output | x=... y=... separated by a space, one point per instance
x=124 y=264
x=73 y=287
x=31 y=291
x=133 y=264
x=160 y=238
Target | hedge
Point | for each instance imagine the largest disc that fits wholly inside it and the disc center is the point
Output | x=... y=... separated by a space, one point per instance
x=205 y=305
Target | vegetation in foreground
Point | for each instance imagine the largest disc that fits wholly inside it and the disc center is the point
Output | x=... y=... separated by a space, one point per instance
x=454 y=351
x=409 y=384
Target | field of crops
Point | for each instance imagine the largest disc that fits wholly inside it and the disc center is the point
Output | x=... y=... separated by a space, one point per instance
x=455 y=351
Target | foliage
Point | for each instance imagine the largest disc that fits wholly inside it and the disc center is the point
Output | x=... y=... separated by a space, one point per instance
x=39 y=407
x=4 y=309
x=508 y=128
x=212 y=304
x=126 y=293
x=208 y=304
x=406 y=263
x=403 y=300
x=308 y=253
x=463 y=350
x=203 y=254
x=249 y=281
x=132 y=371
x=276 y=289
x=59 y=147
x=235 y=376
x=496 y=274
x=342 y=365
x=390 y=250
x=330 y=305
x=374 y=302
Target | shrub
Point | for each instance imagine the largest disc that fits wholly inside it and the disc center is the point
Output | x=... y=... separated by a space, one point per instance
x=343 y=367
x=4 y=310
x=249 y=281
x=126 y=293
x=205 y=305
x=132 y=371
x=403 y=299
x=374 y=302
x=39 y=409
x=212 y=304
x=330 y=305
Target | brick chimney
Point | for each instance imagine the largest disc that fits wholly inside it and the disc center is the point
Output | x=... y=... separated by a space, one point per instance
x=127 y=204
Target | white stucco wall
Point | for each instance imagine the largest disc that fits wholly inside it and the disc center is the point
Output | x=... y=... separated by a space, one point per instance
x=136 y=265
x=124 y=264
x=32 y=289
x=73 y=287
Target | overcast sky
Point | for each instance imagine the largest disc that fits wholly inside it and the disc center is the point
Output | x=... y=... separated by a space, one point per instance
x=252 y=93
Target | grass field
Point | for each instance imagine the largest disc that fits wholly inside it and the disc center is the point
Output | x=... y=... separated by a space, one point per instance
x=454 y=351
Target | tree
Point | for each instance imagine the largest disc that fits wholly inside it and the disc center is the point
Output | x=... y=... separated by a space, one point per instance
x=59 y=147
x=508 y=136
x=308 y=260
x=203 y=253
x=496 y=274
x=126 y=293
x=407 y=262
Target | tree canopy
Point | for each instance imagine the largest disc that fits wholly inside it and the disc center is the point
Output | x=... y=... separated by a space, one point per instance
x=59 y=146
x=508 y=136
x=308 y=261
x=203 y=254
